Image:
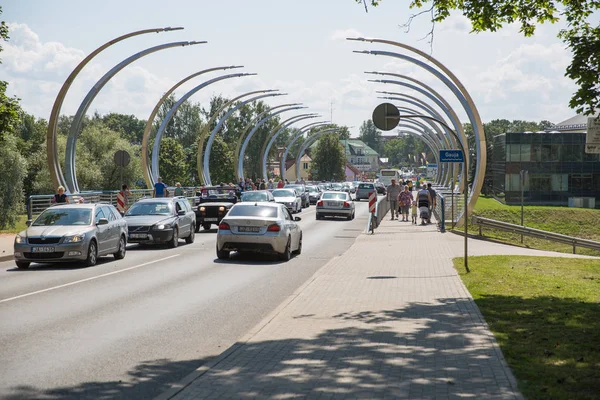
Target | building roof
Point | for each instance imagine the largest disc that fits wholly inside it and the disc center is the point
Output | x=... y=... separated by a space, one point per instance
x=573 y=124
x=355 y=147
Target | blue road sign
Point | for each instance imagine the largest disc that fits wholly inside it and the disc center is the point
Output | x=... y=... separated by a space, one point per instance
x=452 y=156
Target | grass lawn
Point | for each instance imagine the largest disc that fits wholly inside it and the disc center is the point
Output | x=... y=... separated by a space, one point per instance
x=545 y=315
x=579 y=222
x=18 y=227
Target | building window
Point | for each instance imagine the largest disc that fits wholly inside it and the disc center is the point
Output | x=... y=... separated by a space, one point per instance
x=540 y=182
x=560 y=182
x=581 y=182
x=305 y=166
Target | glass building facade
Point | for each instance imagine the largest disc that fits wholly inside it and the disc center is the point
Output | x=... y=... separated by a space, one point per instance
x=557 y=165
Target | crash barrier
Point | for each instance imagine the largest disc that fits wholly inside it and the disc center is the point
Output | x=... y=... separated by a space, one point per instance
x=453 y=205
x=556 y=237
x=382 y=208
x=38 y=203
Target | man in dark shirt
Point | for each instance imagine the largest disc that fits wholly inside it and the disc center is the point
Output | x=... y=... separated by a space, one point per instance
x=159 y=188
x=433 y=198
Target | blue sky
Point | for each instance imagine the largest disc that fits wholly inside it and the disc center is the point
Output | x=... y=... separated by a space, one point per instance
x=295 y=46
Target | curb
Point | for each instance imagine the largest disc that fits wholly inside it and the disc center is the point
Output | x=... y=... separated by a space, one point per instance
x=6 y=258
x=176 y=388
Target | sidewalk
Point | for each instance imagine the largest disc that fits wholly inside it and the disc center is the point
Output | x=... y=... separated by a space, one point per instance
x=6 y=246
x=390 y=318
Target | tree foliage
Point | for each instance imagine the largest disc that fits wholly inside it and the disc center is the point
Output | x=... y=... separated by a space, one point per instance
x=371 y=135
x=14 y=170
x=328 y=159
x=582 y=35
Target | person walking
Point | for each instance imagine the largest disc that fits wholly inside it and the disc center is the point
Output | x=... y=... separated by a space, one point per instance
x=178 y=189
x=393 y=191
x=262 y=185
x=160 y=188
x=270 y=184
x=60 y=197
x=280 y=184
x=124 y=194
x=405 y=199
x=424 y=201
x=433 y=198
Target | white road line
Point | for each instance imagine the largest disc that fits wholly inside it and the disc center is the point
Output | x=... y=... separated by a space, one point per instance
x=87 y=279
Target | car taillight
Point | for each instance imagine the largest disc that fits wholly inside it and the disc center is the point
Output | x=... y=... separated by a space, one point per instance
x=346 y=204
x=223 y=226
x=320 y=203
x=273 y=228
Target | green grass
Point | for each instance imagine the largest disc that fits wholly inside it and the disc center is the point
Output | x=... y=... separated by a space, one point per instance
x=545 y=315
x=18 y=227
x=578 y=222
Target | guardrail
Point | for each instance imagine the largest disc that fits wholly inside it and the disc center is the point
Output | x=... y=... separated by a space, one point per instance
x=557 y=237
x=440 y=212
x=381 y=209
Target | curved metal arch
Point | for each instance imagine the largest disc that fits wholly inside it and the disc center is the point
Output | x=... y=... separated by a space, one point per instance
x=452 y=82
x=240 y=171
x=147 y=130
x=428 y=144
x=249 y=127
x=171 y=112
x=56 y=174
x=305 y=145
x=433 y=145
x=70 y=168
x=301 y=132
x=206 y=159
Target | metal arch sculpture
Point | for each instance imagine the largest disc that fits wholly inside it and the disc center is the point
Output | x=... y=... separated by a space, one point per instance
x=283 y=159
x=206 y=158
x=171 y=112
x=70 y=169
x=240 y=171
x=311 y=139
x=428 y=144
x=56 y=174
x=452 y=82
x=248 y=128
x=281 y=128
x=425 y=135
x=147 y=130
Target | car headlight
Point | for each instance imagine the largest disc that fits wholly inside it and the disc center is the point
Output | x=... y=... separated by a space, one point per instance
x=202 y=208
x=161 y=227
x=74 y=239
x=221 y=208
x=20 y=239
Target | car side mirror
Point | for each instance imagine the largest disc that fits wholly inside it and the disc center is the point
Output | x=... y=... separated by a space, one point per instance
x=181 y=212
x=297 y=219
x=102 y=221
x=28 y=222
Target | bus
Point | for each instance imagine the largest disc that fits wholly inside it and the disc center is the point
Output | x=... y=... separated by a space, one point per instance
x=386 y=176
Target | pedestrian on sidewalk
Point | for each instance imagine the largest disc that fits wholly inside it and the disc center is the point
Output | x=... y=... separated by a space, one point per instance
x=414 y=212
x=433 y=197
x=160 y=189
x=424 y=202
x=60 y=196
x=405 y=199
x=393 y=191
x=178 y=189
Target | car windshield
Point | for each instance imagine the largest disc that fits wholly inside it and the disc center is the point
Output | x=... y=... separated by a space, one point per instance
x=149 y=208
x=311 y=189
x=254 y=196
x=218 y=192
x=64 y=216
x=365 y=186
x=243 y=210
x=284 y=193
x=334 y=196
x=336 y=185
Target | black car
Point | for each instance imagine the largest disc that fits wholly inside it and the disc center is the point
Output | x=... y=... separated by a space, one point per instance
x=161 y=220
x=314 y=194
x=303 y=193
x=212 y=204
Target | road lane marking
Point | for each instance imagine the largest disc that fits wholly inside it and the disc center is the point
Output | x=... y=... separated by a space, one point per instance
x=86 y=279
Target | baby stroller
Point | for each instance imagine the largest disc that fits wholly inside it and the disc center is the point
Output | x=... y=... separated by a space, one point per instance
x=424 y=214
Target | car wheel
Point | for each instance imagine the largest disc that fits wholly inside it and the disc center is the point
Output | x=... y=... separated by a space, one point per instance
x=287 y=254
x=299 y=249
x=175 y=240
x=222 y=254
x=192 y=236
x=120 y=254
x=92 y=256
x=318 y=216
x=22 y=264
x=206 y=227
x=349 y=217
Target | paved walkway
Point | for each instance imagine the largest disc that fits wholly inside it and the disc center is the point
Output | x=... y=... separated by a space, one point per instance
x=390 y=318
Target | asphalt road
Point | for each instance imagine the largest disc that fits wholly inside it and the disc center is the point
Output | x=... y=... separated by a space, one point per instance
x=131 y=328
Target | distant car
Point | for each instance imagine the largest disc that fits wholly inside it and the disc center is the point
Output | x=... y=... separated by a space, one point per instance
x=257 y=195
x=380 y=187
x=335 y=204
x=260 y=228
x=288 y=197
x=161 y=220
x=314 y=194
x=72 y=232
x=363 y=190
x=337 y=187
x=351 y=186
x=303 y=193
x=212 y=203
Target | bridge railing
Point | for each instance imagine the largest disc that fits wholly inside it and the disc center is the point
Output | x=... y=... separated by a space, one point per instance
x=381 y=209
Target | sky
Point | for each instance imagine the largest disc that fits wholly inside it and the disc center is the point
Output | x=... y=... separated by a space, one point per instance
x=298 y=47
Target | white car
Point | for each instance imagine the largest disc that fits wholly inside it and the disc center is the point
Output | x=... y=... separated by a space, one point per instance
x=335 y=204
x=289 y=198
x=259 y=228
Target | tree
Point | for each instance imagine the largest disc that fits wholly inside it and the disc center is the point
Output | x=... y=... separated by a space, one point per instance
x=581 y=37
x=371 y=135
x=221 y=162
x=329 y=159
x=130 y=127
x=395 y=151
x=14 y=170
x=172 y=161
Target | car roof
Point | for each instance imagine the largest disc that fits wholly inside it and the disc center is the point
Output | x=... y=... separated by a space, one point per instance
x=158 y=199
x=79 y=205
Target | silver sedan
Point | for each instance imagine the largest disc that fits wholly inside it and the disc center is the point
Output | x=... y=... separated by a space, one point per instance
x=335 y=204
x=72 y=232
x=259 y=228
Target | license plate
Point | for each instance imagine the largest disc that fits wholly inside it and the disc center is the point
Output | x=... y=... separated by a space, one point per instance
x=42 y=249
x=211 y=219
x=138 y=235
x=333 y=204
x=248 y=229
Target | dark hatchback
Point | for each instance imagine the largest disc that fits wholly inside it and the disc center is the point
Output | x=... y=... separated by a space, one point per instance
x=161 y=220
x=212 y=204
